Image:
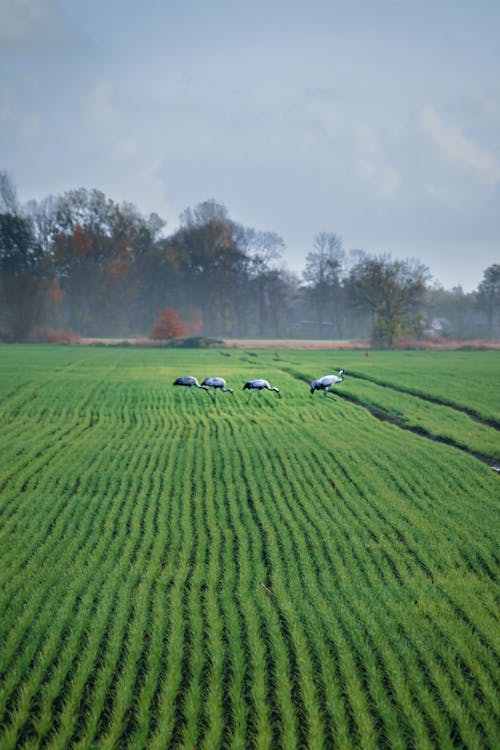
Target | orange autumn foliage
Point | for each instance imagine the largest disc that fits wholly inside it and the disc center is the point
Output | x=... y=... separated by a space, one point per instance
x=82 y=242
x=168 y=325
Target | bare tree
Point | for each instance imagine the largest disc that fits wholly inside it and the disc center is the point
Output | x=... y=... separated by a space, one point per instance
x=323 y=276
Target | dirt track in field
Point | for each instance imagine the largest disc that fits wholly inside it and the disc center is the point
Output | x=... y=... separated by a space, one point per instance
x=294 y=344
x=304 y=344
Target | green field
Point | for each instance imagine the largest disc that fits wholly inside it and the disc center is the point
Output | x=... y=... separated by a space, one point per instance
x=249 y=571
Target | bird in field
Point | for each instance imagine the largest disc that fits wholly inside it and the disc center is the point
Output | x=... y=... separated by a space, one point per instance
x=188 y=381
x=324 y=383
x=259 y=385
x=216 y=384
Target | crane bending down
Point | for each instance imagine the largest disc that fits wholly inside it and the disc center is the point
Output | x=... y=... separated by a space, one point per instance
x=259 y=385
x=188 y=381
x=324 y=383
x=216 y=384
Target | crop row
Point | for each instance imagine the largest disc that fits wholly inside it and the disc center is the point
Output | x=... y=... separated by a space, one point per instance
x=179 y=574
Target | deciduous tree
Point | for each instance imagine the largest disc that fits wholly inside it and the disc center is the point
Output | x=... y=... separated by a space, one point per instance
x=488 y=296
x=392 y=291
x=23 y=283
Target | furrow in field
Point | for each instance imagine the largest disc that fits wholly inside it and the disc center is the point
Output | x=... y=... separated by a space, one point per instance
x=32 y=467
x=472 y=413
x=273 y=574
x=286 y=569
x=66 y=534
x=135 y=637
x=125 y=648
x=359 y=469
x=481 y=444
x=29 y=466
x=274 y=688
x=252 y=715
x=427 y=487
x=410 y=535
x=218 y=713
x=35 y=539
x=78 y=575
x=66 y=500
x=147 y=673
x=386 y=416
x=174 y=673
x=410 y=709
x=236 y=562
x=296 y=519
x=54 y=640
x=409 y=584
x=106 y=641
x=299 y=473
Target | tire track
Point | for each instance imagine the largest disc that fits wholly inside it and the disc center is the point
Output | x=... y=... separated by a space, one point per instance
x=488 y=422
x=386 y=416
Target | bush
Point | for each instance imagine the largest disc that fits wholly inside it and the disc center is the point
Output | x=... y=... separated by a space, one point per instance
x=195 y=342
x=49 y=336
x=168 y=325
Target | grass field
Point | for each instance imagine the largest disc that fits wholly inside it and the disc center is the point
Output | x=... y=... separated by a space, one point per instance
x=248 y=571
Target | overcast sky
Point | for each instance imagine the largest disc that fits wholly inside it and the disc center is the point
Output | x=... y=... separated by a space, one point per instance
x=378 y=120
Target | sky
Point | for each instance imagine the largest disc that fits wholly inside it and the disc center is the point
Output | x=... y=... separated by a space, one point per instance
x=378 y=120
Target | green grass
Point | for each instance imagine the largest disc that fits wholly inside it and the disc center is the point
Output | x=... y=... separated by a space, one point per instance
x=138 y=522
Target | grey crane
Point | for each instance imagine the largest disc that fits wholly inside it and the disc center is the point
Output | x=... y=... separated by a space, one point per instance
x=188 y=381
x=260 y=385
x=216 y=384
x=324 y=383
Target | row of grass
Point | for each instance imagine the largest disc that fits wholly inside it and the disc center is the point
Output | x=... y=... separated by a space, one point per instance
x=246 y=572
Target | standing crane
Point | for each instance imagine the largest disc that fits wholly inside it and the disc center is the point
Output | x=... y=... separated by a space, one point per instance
x=188 y=381
x=324 y=383
x=216 y=384
x=259 y=385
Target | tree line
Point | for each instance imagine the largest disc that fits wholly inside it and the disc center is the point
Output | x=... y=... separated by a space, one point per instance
x=81 y=262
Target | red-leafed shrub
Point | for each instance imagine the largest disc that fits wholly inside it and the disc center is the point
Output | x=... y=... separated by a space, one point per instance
x=168 y=325
x=43 y=335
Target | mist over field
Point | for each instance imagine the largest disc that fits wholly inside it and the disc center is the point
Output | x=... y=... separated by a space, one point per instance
x=81 y=265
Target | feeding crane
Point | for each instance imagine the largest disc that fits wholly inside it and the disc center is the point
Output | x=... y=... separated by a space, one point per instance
x=260 y=385
x=324 y=383
x=188 y=381
x=216 y=384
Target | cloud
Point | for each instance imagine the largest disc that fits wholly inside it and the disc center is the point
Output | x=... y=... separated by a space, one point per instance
x=371 y=165
x=318 y=111
x=100 y=107
x=17 y=123
x=384 y=178
x=37 y=23
x=456 y=148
